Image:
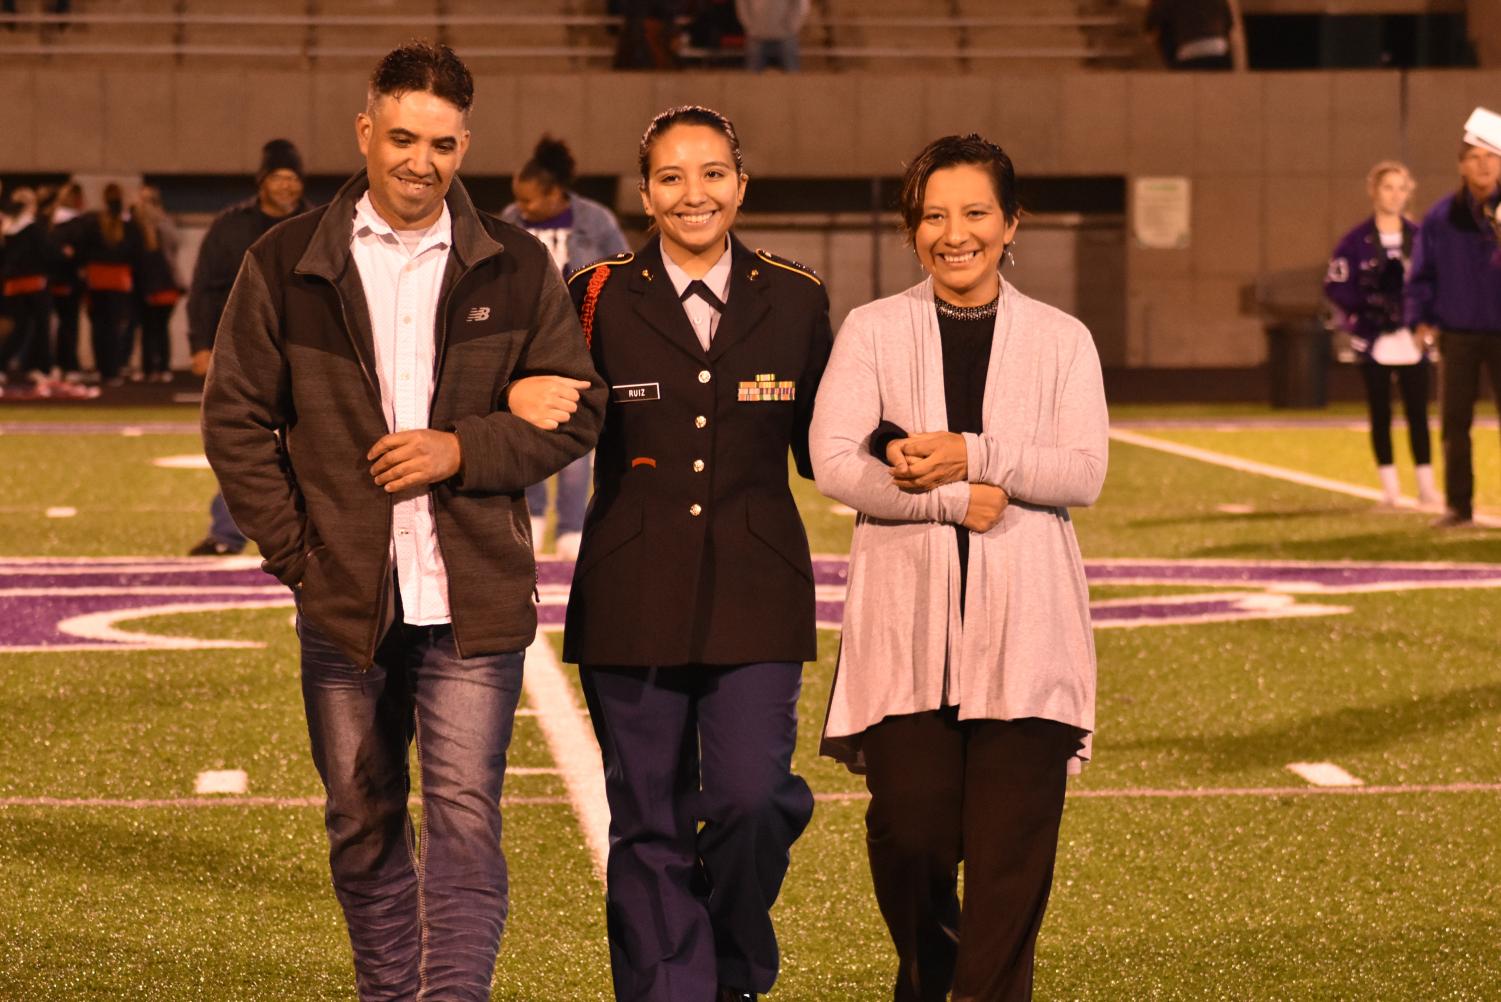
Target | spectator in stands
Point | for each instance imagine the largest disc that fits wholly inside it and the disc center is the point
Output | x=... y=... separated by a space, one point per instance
x=278 y=196
x=107 y=251
x=1192 y=34
x=24 y=261
x=351 y=414
x=1365 y=281
x=47 y=6
x=648 y=34
x=1454 y=296
x=716 y=32
x=771 y=32
x=577 y=231
x=68 y=227
x=966 y=681
x=157 y=289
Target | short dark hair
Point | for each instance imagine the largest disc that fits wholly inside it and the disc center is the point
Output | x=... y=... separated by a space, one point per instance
x=551 y=164
x=688 y=114
x=423 y=66
x=952 y=151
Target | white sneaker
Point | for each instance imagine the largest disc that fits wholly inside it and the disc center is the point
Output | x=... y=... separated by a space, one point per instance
x=568 y=545
x=1428 y=496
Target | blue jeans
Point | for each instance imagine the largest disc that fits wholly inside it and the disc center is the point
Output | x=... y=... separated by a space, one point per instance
x=221 y=526
x=761 y=52
x=424 y=909
x=573 y=496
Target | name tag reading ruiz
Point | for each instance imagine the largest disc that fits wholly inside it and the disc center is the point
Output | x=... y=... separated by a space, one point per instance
x=630 y=393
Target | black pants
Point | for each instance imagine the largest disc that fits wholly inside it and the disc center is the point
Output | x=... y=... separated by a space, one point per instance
x=66 y=307
x=990 y=793
x=155 y=347
x=1412 y=380
x=704 y=807
x=109 y=320
x=29 y=346
x=1459 y=388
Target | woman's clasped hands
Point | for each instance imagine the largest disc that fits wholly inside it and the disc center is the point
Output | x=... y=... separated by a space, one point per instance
x=922 y=462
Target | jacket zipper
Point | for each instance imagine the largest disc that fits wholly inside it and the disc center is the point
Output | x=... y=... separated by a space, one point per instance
x=385 y=572
x=440 y=353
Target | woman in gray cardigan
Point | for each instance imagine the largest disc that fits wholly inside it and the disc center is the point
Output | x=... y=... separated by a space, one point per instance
x=961 y=419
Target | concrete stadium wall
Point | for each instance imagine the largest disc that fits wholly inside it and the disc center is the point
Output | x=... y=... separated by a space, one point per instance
x=1276 y=160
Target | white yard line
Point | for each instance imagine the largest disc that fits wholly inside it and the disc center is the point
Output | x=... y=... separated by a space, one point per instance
x=1209 y=792
x=1267 y=470
x=572 y=744
x=1120 y=793
x=141 y=803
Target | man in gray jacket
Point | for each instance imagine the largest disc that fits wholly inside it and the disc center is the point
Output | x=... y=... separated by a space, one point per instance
x=353 y=416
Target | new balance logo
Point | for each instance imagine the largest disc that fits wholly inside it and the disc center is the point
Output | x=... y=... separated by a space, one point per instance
x=478 y=313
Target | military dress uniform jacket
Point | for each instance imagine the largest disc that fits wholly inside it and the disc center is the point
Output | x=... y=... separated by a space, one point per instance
x=693 y=550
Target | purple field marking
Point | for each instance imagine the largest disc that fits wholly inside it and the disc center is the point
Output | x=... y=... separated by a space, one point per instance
x=37 y=594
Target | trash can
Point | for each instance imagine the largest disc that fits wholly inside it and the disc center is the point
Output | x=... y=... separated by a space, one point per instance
x=1297 y=358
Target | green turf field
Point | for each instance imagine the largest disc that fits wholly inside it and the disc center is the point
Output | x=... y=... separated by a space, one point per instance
x=1194 y=865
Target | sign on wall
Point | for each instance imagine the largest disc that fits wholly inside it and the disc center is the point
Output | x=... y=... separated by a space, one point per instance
x=1160 y=216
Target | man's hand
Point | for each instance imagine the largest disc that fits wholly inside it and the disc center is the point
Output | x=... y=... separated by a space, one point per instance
x=986 y=503
x=407 y=459
x=930 y=460
x=1427 y=335
x=200 y=360
x=545 y=401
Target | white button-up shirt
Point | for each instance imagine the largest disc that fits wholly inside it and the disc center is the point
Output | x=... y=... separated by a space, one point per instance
x=402 y=273
x=703 y=317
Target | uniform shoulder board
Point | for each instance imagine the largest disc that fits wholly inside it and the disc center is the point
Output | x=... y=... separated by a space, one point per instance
x=624 y=257
x=795 y=267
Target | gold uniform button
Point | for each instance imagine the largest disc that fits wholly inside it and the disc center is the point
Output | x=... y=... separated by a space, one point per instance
x=700 y=422
x=696 y=510
x=704 y=376
x=698 y=466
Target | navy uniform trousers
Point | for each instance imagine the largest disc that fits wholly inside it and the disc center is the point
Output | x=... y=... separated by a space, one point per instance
x=703 y=811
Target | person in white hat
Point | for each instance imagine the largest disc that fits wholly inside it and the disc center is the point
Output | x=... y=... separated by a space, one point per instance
x=1454 y=295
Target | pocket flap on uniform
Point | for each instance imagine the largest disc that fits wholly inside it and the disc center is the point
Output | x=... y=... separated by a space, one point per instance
x=778 y=525
x=609 y=531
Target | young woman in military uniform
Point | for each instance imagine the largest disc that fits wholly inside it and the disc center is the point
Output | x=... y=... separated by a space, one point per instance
x=692 y=611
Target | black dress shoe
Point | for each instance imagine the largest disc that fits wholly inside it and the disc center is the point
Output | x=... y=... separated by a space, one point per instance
x=1452 y=519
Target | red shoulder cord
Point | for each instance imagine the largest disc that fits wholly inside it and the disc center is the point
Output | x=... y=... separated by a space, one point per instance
x=591 y=300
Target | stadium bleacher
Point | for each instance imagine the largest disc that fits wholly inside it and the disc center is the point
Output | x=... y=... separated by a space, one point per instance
x=537 y=35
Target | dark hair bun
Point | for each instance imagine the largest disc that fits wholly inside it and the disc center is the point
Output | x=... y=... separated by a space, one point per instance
x=552 y=158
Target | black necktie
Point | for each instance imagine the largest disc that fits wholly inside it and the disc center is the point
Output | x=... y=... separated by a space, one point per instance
x=702 y=291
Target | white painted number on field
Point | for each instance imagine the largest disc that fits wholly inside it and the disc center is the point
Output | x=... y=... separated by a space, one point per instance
x=231 y=781
x=1324 y=774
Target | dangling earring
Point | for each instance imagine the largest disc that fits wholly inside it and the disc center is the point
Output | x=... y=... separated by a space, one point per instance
x=1010 y=257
